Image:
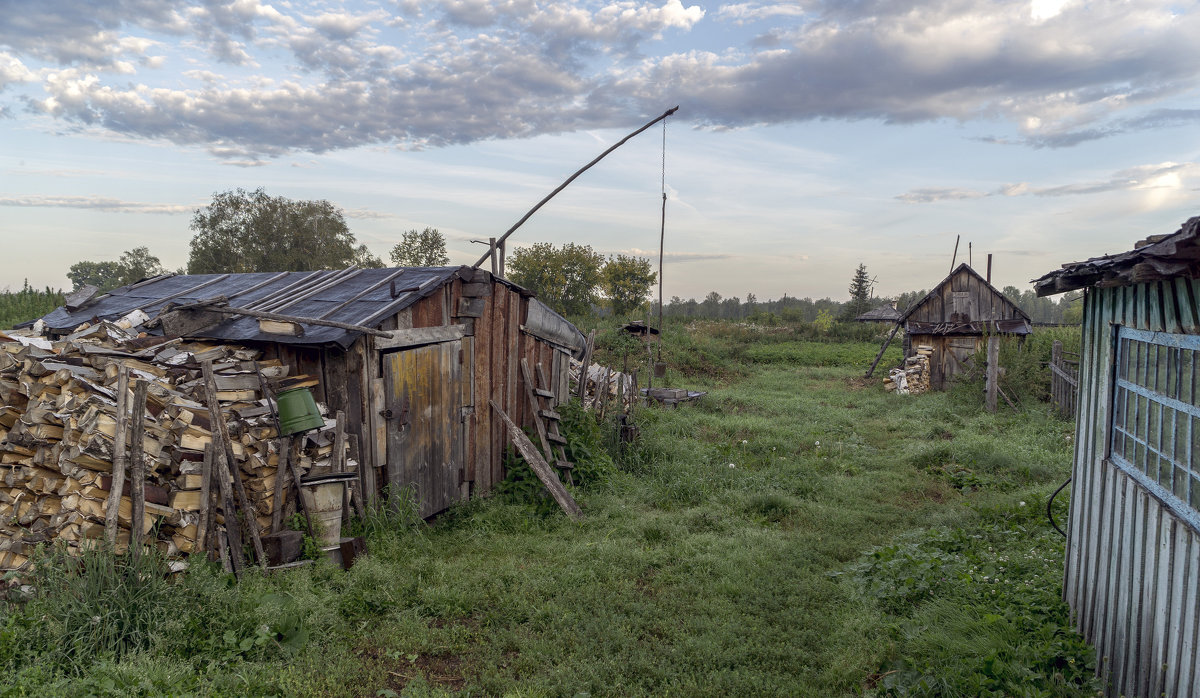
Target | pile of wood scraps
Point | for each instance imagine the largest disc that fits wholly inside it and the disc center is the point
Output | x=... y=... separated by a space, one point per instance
x=71 y=409
x=601 y=388
x=914 y=377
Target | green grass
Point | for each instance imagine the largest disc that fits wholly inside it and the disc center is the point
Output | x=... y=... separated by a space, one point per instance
x=798 y=531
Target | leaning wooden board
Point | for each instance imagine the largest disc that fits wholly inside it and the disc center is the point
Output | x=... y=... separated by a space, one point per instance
x=542 y=469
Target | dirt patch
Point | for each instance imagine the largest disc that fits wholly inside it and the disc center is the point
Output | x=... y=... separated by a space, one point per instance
x=396 y=668
x=931 y=493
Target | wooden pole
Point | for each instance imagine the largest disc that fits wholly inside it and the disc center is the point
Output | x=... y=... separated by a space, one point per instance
x=338 y=463
x=954 y=258
x=501 y=245
x=205 y=499
x=118 y=470
x=583 y=372
x=220 y=431
x=285 y=455
x=882 y=349
x=137 y=470
x=492 y=255
x=572 y=178
x=989 y=268
x=993 y=371
x=540 y=467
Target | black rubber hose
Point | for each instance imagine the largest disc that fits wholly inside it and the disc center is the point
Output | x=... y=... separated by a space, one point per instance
x=1050 y=514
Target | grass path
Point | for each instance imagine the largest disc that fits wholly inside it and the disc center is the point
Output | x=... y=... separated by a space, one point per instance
x=797 y=532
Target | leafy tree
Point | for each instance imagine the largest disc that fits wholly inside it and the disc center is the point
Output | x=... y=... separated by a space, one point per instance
x=565 y=278
x=424 y=248
x=244 y=231
x=711 y=307
x=626 y=281
x=133 y=266
x=860 y=294
x=105 y=275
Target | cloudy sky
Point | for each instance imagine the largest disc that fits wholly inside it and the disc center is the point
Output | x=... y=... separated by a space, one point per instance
x=811 y=135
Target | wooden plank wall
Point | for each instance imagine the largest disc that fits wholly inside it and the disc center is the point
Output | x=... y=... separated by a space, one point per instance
x=492 y=350
x=1132 y=572
x=985 y=302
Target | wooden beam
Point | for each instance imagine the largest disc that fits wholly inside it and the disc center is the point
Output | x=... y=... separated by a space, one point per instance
x=221 y=431
x=118 y=465
x=993 y=371
x=421 y=335
x=540 y=467
x=205 y=498
x=80 y=297
x=137 y=471
x=881 y=350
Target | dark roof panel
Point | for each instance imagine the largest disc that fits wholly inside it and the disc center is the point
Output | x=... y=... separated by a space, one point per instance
x=355 y=296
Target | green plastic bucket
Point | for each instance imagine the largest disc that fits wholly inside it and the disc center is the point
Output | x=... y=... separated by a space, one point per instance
x=297 y=411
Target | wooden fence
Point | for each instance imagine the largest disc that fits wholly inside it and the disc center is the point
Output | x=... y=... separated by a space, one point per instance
x=1064 y=379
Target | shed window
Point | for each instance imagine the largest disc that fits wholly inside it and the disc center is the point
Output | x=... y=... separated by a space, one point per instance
x=1156 y=415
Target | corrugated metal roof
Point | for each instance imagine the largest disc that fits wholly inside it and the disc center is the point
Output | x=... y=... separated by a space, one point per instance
x=355 y=296
x=1153 y=259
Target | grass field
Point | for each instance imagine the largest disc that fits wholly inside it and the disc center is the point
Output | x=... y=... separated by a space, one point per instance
x=799 y=531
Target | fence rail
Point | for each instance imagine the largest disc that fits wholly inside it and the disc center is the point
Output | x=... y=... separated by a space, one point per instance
x=1064 y=379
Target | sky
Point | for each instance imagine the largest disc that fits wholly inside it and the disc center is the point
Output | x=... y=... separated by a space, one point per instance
x=811 y=136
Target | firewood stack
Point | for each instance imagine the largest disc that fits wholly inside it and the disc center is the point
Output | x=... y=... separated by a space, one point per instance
x=915 y=372
x=58 y=423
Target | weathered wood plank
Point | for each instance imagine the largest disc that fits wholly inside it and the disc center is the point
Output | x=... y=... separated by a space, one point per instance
x=542 y=469
x=419 y=336
x=118 y=467
x=137 y=470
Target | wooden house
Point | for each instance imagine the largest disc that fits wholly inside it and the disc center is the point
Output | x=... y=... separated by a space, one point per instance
x=954 y=318
x=1132 y=574
x=413 y=356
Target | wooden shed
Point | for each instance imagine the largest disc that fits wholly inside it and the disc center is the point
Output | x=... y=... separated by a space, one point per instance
x=420 y=355
x=1132 y=574
x=954 y=318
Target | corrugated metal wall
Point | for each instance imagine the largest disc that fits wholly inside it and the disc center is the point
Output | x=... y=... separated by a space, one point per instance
x=1132 y=574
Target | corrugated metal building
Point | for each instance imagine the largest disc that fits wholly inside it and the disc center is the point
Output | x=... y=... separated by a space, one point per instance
x=1132 y=575
x=954 y=317
x=417 y=399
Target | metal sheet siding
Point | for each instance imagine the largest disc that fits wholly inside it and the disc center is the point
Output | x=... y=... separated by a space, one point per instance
x=1132 y=570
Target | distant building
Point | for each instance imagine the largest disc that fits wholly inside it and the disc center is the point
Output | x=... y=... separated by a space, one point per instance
x=953 y=319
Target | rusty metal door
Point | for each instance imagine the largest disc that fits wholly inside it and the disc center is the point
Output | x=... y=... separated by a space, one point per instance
x=425 y=428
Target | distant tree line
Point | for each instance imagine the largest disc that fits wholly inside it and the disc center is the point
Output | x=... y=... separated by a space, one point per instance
x=26 y=304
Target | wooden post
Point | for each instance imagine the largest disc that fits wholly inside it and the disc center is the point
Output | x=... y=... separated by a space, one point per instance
x=285 y=455
x=1055 y=382
x=502 y=244
x=137 y=468
x=954 y=258
x=118 y=470
x=492 y=253
x=989 y=268
x=540 y=467
x=205 y=499
x=993 y=371
x=583 y=372
x=220 y=431
x=338 y=463
x=882 y=349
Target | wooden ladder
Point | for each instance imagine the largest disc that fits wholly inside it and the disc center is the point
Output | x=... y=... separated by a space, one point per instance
x=546 y=419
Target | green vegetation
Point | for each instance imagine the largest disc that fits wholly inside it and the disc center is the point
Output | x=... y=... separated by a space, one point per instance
x=798 y=531
x=27 y=304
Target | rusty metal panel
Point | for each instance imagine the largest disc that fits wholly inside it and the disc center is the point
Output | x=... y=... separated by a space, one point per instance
x=425 y=438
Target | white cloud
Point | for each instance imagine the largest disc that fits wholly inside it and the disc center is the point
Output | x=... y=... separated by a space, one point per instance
x=1160 y=183
x=98 y=203
x=467 y=70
